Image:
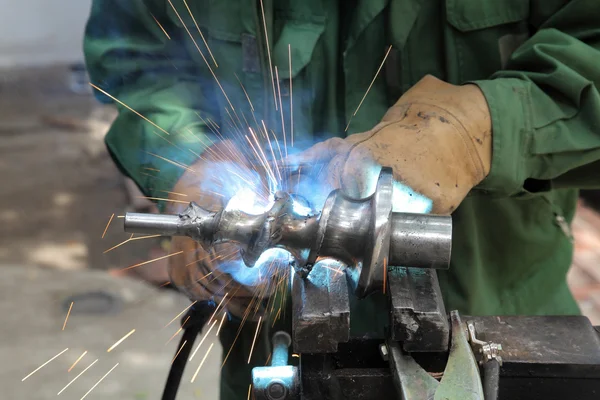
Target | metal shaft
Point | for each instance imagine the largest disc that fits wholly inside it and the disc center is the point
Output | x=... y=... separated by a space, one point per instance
x=154 y=224
x=420 y=241
x=362 y=233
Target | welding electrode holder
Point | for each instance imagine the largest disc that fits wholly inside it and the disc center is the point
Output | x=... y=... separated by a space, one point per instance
x=364 y=233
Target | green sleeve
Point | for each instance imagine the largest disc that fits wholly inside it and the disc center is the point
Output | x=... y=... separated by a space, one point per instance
x=130 y=57
x=545 y=107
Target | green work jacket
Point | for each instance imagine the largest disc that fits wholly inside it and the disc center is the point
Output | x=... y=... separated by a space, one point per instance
x=536 y=61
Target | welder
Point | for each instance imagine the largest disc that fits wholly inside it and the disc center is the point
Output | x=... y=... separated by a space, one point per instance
x=489 y=108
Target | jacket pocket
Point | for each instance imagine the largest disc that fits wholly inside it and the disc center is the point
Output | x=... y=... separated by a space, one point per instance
x=552 y=206
x=233 y=30
x=484 y=34
x=470 y=15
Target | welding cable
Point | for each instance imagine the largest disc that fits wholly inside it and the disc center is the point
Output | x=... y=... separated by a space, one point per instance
x=491 y=379
x=198 y=315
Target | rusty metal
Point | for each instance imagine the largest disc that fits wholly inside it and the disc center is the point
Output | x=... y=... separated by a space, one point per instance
x=321 y=311
x=417 y=314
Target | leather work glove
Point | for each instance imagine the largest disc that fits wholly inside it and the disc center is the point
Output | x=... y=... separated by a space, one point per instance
x=210 y=274
x=437 y=138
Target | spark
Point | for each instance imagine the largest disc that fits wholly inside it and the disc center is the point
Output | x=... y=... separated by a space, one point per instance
x=236 y=116
x=337 y=271
x=215 y=193
x=120 y=341
x=275 y=136
x=175 y=193
x=120 y=216
x=161 y=27
x=246 y=93
x=202 y=362
x=126 y=106
x=216 y=309
x=74 y=379
x=131 y=239
x=299 y=175
x=254 y=340
x=178 y=351
x=180 y=314
x=373 y=81
x=221 y=324
x=205 y=276
x=165 y=284
x=232 y=172
x=273 y=154
x=263 y=163
x=210 y=126
x=281 y=111
x=44 y=364
x=172 y=162
x=279 y=150
x=202 y=341
x=201 y=54
x=162 y=199
x=150 y=261
x=233 y=123
x=108 y=224
x=201 y=35
x=245 y=316
x=249 y=391
x=276 y=316
x=262 y=8
x=296 y=355
x=214 y=123
x=67 y=317
x=101 y=379
x=291 y=95
x=369 y=88
x=76 y=361
x=385 y=272
x=178 y=330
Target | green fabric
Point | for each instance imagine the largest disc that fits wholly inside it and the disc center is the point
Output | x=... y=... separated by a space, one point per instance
x=537 y=62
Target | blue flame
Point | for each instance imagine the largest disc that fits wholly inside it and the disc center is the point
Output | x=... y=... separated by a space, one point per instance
x=405 y=199
x=247 y=200
x=301 y=209
x=268 y=262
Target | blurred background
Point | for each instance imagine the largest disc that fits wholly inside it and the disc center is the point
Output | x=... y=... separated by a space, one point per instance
x=57 y=249
x=59 y=189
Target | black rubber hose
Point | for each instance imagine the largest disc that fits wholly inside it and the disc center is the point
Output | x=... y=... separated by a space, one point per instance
x=491 y=379
x=198 y=316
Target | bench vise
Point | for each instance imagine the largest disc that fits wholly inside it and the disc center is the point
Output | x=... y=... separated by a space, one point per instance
x=425 y=352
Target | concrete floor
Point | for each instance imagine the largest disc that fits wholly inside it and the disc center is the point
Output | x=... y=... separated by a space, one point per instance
x=59 y=188
x=34 y=303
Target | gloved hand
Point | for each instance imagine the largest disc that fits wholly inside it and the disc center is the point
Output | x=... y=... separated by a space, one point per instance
x=204 y=274
x=437 y=138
